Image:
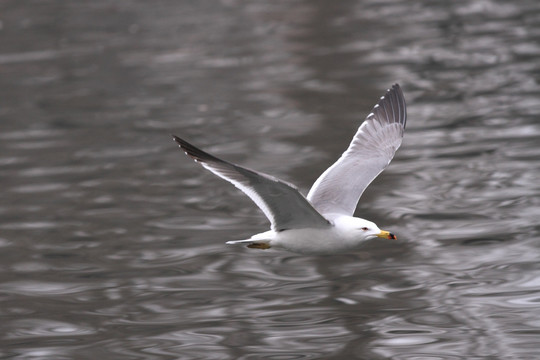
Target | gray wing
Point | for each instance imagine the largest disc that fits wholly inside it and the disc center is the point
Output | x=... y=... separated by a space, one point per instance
x=339 y=188
x=282 y=204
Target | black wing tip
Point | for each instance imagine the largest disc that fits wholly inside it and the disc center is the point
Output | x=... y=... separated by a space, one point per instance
x=391 y=107
x=181 y=142
x=177 y=140
x=191 y=150
x=393 y=94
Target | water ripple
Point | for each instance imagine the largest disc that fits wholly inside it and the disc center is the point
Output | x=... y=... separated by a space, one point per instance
x=44 y=289
x=29 y=328
x=113 y=242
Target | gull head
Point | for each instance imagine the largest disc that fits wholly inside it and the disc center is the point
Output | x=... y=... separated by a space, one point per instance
x=359 y=230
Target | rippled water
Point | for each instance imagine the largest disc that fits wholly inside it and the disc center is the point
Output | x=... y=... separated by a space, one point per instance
x=112 y=241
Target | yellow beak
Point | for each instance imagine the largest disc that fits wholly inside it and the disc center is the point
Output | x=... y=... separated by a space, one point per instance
x=387 y=235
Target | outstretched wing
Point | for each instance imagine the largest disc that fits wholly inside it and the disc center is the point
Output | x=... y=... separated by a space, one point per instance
x=282 y=204
x=339 y=188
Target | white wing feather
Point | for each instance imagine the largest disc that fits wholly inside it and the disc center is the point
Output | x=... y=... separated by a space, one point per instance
x=282 y=203
x=339 y=188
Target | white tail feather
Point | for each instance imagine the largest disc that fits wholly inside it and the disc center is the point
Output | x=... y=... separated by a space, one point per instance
x=247 y=241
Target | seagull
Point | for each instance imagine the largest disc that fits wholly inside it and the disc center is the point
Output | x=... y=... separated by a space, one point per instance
x=322 y=222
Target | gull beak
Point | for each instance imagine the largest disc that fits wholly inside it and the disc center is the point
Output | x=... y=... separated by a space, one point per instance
x=386 y=235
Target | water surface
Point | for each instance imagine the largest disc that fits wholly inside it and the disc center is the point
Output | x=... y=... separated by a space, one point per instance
x=113 y=241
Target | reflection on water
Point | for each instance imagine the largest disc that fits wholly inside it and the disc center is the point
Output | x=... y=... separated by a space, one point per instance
x=113 y=242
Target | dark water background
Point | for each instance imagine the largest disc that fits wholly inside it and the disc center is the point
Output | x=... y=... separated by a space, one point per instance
x=112 y=241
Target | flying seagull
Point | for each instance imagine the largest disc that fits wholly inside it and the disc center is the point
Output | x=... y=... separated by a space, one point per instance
x=322 y=222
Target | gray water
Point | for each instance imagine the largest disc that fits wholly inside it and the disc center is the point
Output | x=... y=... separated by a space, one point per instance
x=112 y=241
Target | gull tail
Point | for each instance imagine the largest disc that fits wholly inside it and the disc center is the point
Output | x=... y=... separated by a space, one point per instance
x=252 y=244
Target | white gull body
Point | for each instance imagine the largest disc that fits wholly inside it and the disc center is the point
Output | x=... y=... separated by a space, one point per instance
x=322 y=223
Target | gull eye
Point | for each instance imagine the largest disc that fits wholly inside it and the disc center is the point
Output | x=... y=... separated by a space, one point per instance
x=364 y=228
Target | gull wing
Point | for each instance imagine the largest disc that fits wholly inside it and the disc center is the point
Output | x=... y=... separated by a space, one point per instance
x=282 y=203
x=339 y=188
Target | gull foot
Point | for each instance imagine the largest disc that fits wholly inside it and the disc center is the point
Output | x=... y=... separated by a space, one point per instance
x=262 y=246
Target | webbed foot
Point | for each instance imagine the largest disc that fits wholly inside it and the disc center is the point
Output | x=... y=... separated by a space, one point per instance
x=262 y=246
